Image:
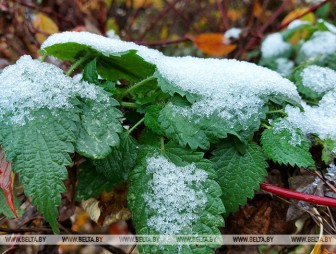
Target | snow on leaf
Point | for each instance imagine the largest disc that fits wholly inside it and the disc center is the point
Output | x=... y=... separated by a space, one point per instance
x=228 y=88
x=168 y=199
x=278 y=145
x=31 y=85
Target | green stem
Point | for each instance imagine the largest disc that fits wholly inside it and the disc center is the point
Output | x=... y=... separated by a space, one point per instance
x=162 y=144
x=136 y=125
x=141 y=83
x=129 y=104
x=266 y=126
x=281 y=111
x=76 y=64
x=43 y=57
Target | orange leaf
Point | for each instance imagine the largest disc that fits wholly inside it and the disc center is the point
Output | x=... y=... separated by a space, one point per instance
x=296 y=13
x=45 y=26
x=213 y=44
x=6 y=181
x=258 y=10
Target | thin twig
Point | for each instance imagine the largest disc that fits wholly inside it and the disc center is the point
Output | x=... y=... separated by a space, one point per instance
x=38 y=8
x=132 y=249
x=223 y=8
x=311 y=9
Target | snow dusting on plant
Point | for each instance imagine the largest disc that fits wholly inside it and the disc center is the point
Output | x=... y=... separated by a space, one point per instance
x=175 y=195
x=30 y=85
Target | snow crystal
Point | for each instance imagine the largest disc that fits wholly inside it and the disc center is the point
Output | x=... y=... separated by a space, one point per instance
x=321 y=43
x=30 y=85
x=274 y=45
x=232 y=33
x=296 y=23
x=229 y=88
x=319 y=120
x=284 y=124
x=318 y=79
x=284 y=66
x=175 y=195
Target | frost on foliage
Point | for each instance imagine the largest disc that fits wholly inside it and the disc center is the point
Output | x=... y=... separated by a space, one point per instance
x=284 y=124
x=320 y=44
x=319 y=79
x=30 y=85
x=175 y=194
x=328 y=25
x=297 y=23
x=232 y=89
x=319 y=120
x=274 y=46
x=284 y=66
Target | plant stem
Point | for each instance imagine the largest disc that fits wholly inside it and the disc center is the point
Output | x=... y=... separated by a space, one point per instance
x=281 y=111
x=76 y=64
x=141 y=83
x=136 y=125
x=298 y=195
x=129 y=104
x=162 y=144
x=43 y=57
x=266 y=126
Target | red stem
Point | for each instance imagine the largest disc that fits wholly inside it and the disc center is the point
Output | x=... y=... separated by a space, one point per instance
x=298 y=195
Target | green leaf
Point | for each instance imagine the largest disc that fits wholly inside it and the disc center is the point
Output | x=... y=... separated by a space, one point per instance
x=39 y=153
x=99 y=128
x=329 y=151
x=91 y=183
x=305 y=91
x=90 y=73
x=127 y=64
x=175 y=193
x=238 y=174
x=117 y=165
x=5 y=209
x=179 y=128
x=277 y=145
x=152 y=119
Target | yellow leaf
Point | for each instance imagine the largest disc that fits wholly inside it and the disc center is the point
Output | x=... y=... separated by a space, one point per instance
x=45 y=26
x=296 y=13
x=298 y=36
x=258 y=10
x=234 y=14
x=158 y=4
x=213 y=44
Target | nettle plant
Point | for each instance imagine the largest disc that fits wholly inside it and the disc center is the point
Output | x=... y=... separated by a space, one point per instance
x=192 y=137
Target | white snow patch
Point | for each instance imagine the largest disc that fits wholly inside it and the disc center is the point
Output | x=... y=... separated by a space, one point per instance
x=232 y=33
x=319 y=120
x=274 y=45
x=175 y=195
x=284 y=66
x=229 y=88
x=319 y=79
x=321 y=43
x=296 y=23
x=30 y=85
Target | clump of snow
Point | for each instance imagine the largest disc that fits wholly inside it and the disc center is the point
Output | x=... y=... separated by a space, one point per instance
x=321 y=43
x=274 y=45
x=296 y=23
x=175 y=195
x=284 y=124
x=319 y=120
x=284 y=66
x=232 y=33
x=232 y=89
x=30 y=85
x=318 y=79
